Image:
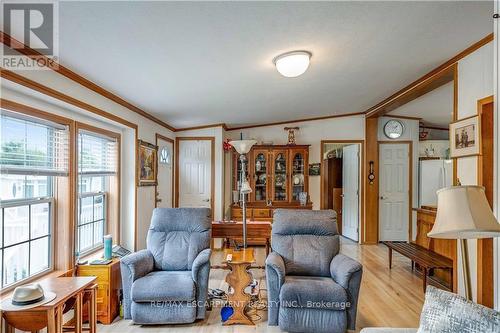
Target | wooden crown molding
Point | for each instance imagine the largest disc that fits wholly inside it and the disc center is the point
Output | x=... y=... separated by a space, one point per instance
x=29 y=52
x=439 y=76
x=296 y=121
x=432 y=80
x=223 y=125
x=403 y=117
x=434 y=127
x=21 y=80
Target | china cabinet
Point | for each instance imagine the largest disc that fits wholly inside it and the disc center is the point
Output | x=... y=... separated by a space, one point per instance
x=278 y=174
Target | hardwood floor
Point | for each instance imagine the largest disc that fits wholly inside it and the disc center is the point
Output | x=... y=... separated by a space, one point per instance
x=390 y=298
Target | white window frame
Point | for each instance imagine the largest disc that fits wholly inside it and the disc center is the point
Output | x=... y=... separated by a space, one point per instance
x=95 y=246
x=51 y=253
x=105 y=175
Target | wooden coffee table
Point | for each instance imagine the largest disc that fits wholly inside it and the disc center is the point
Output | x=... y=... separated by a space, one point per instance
x=238 y=279
x=50 y=314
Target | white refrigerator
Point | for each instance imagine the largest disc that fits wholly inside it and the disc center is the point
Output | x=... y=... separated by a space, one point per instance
x=433 y=175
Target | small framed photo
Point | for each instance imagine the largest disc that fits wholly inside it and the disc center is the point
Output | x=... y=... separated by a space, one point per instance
x=314 y=169
x=147 y=163
x=465 y=137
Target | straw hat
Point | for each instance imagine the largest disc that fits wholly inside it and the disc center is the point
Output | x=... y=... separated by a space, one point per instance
x=26 y=297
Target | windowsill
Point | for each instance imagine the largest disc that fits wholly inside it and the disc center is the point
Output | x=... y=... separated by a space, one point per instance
x=94 y=254
x=7 y=292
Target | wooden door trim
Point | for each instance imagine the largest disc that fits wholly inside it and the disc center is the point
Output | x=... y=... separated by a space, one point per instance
x=485 y=256
x=361 y=207
x=212 y=171
x=410 y=183
x=158 y=136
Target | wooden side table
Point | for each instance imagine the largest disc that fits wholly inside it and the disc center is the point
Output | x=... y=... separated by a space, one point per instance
x=50 y=315
x=238 y=279
x=108 y=288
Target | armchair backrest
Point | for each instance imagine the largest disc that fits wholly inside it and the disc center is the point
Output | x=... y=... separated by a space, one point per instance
x=306 y=239
x=177 y=235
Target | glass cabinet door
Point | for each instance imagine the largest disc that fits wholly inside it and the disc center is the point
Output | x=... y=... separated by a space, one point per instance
x=238 y=180
x=280 y=176
x=238 y=173
x=260 y=175
x=298 y=175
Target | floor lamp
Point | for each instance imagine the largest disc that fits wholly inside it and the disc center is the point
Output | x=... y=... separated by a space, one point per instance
x=463 y=213
x=243 y=147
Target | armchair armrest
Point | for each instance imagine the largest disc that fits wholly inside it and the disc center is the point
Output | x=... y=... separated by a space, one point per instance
x=200 y=272
x=275 y=278
x=137 y=264
x=201 y=259
x=347 y=272
x=342 y=268
x=275 y=262
x=133 y=267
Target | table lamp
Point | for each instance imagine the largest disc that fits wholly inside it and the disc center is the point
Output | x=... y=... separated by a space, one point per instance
x=463 y=212
x=243 y=147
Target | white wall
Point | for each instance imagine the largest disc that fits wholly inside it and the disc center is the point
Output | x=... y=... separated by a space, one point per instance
x=475 y=81
x=311 y=133
x=440 y=147
x=146 y=132
x=435 y=134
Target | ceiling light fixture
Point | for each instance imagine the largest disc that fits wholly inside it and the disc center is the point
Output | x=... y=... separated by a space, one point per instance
x=292 y=64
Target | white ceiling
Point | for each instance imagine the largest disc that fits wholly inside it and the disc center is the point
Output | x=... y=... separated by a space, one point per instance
x=200 y=63
x=435 y=108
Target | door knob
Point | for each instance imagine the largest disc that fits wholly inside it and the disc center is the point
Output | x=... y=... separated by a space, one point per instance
x=158 y=200
x=382 y=198
x=206 y=200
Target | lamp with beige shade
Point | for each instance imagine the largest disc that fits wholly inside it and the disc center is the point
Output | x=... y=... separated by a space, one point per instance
x=464 y=213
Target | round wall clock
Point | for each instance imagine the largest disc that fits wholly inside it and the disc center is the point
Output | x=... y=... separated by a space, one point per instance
x=393 y=129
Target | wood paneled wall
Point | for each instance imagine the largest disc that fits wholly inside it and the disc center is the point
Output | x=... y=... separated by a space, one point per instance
x=485 y=274
x=370 y=234
x=444 y=247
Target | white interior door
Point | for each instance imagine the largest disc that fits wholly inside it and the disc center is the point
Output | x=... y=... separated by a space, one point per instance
x=350 y=192
x=394 y=192
x=195 y=163
x=164 y=190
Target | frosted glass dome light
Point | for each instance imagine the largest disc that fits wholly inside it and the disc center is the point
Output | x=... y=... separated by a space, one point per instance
x=292 y=64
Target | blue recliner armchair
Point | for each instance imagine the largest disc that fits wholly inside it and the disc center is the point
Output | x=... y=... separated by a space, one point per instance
x=168 y=282
x=310 y=286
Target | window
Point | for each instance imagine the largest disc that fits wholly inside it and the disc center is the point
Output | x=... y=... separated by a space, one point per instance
x=97 y=165
x=165 y=156
x=33 y=153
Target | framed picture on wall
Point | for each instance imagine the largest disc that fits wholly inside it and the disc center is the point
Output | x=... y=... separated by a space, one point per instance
x=147 y=163
x=465 y=138
x=314 y=169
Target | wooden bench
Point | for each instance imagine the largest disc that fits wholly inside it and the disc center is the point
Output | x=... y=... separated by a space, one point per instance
x=427 y=259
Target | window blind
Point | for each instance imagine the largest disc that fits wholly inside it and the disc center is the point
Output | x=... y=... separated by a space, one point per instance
x=33 y=146
x=97 y=154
